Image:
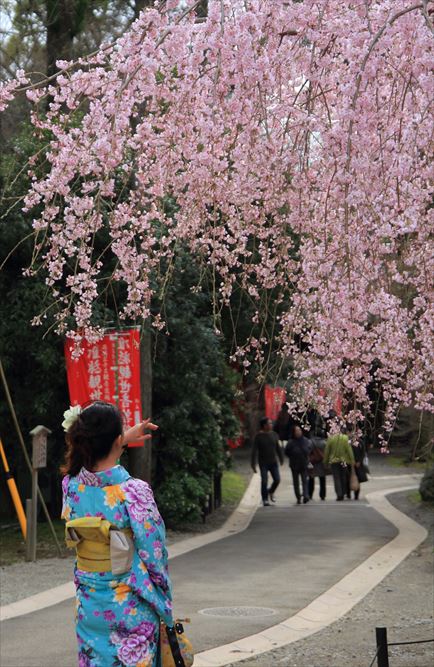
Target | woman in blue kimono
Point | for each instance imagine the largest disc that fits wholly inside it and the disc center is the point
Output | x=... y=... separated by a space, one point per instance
x=117 y=615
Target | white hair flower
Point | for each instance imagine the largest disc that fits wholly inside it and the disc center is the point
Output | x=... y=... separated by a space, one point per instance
x=70 y=416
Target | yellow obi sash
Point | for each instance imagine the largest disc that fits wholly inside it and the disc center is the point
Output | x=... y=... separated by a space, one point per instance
x=100 y=546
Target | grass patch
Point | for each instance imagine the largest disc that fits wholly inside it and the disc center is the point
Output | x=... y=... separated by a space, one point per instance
x=414 y=497
x=233 y=487
x=13 y=546
x=402 y=462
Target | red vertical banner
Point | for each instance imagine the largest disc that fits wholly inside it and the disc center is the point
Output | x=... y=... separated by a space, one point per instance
x=128 y=377
x=336 y=401
x=108 y=370
x=274 y=397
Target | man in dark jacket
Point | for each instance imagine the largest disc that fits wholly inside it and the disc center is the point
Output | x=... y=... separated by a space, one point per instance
x=298 y=450
x=283 y=424
x=266 y=450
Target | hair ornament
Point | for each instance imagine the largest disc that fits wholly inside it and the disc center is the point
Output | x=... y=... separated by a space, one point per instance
x=70 y=416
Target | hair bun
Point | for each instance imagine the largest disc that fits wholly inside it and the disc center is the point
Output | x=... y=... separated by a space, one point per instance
x=91 y=435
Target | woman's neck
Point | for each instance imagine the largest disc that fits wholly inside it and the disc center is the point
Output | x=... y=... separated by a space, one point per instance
x=105 y=464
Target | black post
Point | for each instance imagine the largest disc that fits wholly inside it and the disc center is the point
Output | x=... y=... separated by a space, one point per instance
x=217 y=490
x=382 y=652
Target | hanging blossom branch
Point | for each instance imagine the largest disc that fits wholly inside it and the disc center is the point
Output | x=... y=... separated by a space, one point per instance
x=293 y=141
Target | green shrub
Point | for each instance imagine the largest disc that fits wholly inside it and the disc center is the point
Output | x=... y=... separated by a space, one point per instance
x=427 y=486
x=193 y=391
x=181 y=498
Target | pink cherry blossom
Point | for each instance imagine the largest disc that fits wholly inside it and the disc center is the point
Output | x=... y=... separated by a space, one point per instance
x=295 y=140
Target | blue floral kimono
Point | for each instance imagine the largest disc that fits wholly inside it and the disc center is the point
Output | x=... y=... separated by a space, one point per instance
x=118 y=616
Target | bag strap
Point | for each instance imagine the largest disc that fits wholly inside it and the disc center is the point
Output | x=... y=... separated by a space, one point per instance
x=174 y=646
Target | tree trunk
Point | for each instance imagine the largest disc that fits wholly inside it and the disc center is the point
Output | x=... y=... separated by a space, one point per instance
x=61 y=29
x=202 y=9
x=141 y=4
x=254 y=409
x=140 y=458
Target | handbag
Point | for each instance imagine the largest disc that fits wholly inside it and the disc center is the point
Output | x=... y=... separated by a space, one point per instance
x=366 y=463
x=354 y=482
x=316 y=455
x=175 y=648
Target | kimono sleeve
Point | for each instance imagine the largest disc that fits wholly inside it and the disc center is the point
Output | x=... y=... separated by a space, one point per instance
x=150 y=575
x=66 y=508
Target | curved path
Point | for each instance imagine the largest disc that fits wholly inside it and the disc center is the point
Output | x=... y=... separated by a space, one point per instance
x=329 y=553
x=334 y=602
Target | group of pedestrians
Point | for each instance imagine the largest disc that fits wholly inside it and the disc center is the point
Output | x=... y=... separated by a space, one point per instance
x=311 y=457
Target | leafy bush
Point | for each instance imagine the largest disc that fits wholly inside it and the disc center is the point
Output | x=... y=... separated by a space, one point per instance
x=193 y=393
x=181 y=497
x=427 y=486
x=193 y=387
x=32 y=358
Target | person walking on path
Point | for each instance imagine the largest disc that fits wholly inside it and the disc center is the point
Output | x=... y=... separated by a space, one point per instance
x=339 y=456
x=318 y=469
x=266 y=450
x=123 y=589
x=283 y=424
x=359 y=451
x=298 y=450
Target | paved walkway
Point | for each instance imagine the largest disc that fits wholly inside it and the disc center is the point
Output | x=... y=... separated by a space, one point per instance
x=287 y=557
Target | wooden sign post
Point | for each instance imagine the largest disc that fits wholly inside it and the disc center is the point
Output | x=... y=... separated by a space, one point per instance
x=39 y=460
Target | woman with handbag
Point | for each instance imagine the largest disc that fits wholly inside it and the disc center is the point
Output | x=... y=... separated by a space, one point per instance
x=359 y=470
x=123 y=590
x=317 y=467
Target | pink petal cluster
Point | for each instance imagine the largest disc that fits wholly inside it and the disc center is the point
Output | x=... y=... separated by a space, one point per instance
x=8 y=88
x=295 y=138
